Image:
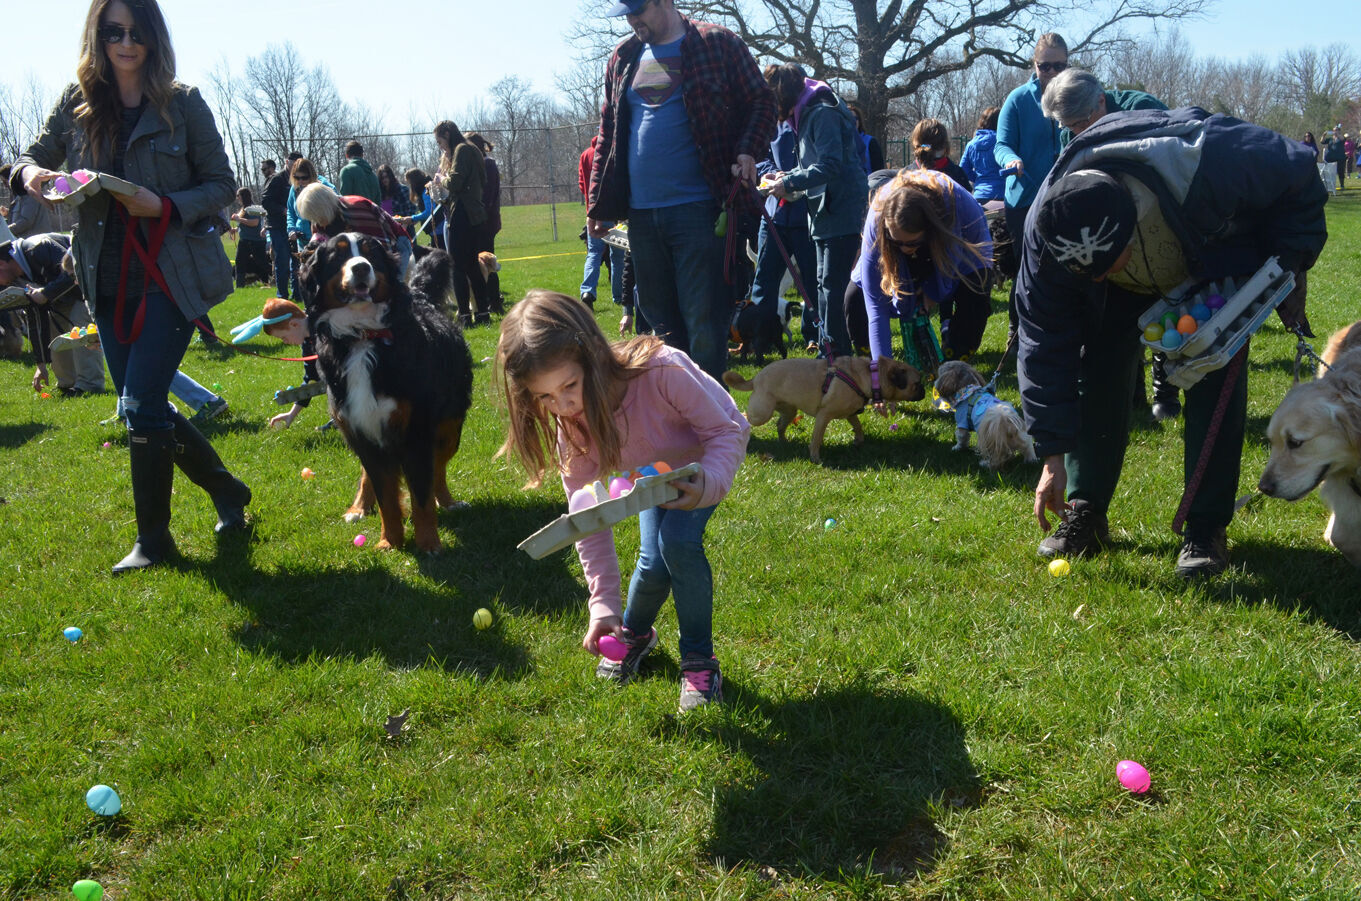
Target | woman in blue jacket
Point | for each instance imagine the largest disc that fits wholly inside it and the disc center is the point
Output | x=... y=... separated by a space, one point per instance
x=925 y=243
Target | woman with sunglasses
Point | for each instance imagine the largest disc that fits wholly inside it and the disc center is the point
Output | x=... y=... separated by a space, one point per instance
x=925 y=244
x=1027 y=140
x=152 y=262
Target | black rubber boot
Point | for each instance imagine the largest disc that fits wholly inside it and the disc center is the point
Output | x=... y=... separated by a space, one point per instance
x=196 y=459
x=153 y=473
x=1166 y=396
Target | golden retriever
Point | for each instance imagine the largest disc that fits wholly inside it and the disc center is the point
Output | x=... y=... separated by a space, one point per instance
x=788 y=386
x=1315 y=437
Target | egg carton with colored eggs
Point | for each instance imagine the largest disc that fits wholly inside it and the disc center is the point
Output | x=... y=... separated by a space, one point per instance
x=601 y=506
x=1201 y=328
x=76 y=187
x=618 y=236
x=87 y=336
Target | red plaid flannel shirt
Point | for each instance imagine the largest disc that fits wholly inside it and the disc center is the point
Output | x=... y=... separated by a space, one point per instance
x=731 y=110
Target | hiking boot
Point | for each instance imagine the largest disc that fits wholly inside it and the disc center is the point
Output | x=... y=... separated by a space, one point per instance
x=588 y=298
x=624 y=670
x=1166 y=396
x=1203 y=556
x=701 y=683
x=1083 y=531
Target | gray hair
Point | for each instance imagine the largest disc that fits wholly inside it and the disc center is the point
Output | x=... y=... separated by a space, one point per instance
x=1073 y=95
x=318 y=203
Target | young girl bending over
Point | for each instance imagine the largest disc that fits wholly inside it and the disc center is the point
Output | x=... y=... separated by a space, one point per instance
x=587 y=408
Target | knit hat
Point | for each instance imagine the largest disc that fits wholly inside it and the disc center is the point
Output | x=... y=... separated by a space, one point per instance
x=1085 y=221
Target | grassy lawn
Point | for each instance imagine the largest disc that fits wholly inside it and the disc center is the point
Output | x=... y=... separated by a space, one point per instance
x=917 y=708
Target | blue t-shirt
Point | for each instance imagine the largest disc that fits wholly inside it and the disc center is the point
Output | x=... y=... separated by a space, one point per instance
x=664 y=165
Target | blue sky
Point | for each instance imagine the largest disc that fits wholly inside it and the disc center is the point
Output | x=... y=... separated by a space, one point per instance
x=429 y=60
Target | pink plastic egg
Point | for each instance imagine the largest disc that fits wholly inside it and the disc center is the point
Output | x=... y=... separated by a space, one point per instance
x=81 y=176
x=620 y=486
x=359 y=540
x=612 y=648
x=1133 y=776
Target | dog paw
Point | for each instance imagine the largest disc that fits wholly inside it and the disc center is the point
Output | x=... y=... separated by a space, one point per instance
x=455 y=505
x=353 y=515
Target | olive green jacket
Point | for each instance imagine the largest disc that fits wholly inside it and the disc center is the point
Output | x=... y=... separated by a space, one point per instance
x=183 y=160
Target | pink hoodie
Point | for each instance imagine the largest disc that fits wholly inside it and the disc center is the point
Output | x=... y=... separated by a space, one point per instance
x=672 y=412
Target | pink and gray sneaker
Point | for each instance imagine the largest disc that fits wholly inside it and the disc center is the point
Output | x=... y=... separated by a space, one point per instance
x=624 y=670
x=701 y=682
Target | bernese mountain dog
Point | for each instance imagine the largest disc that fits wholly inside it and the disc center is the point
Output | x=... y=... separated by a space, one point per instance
x=398 y=374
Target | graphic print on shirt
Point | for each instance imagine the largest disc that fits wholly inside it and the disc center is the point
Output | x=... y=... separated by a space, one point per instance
x=658 y=78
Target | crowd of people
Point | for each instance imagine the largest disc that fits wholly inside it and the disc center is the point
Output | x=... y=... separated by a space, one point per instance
x=1094 y=203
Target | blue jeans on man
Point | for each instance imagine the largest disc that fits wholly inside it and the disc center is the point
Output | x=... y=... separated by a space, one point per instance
x=678 y=264
x=770 y=270
x=283 y=259
x=671 y=560
x=143 y=370
x=595 y=257
x=836 y=258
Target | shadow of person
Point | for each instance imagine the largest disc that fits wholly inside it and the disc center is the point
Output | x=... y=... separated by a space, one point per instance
x=842 y=783
x=17 y=434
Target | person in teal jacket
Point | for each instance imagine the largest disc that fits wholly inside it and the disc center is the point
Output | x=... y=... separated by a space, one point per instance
x=1028 y=140
x=357 y=176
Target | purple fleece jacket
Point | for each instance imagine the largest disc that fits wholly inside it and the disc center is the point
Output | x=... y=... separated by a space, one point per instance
x=672 y=412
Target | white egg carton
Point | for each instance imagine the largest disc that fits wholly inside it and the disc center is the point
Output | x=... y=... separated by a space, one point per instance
x=12 y=298
x=618 y=236
x=649 y=491
x=99 y=181
x=1218 y=338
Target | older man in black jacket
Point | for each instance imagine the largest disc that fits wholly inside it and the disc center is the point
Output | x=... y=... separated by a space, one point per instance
x=55 y=306
x=1137 y=204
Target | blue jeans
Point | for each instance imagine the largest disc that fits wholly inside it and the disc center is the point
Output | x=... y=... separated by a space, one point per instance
x=671 y=560
x=836 y=257
x=143 y=370
x=770 y=269
x=678 y=264
x=283 y=259
x=595 y=254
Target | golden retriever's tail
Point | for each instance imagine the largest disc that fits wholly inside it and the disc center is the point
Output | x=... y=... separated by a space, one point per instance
x=735 y=380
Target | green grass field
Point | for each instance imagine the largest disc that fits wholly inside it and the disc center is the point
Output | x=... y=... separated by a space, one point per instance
x=916 y=708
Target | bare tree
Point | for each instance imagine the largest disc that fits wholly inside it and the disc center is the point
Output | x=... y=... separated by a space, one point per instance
x=584 y=87
x=1166 y=67
x=893 y=49
x=23 y=110
x=1321 y=84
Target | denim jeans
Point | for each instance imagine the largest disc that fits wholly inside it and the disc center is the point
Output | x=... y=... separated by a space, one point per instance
x=595 y=255
x=678 y=263
x=283 y=259
x=186 y=389
x=836 y=257
x=770 y=269
x=143 y=370
x=671 y=560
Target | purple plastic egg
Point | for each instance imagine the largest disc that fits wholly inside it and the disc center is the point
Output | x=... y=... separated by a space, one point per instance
x=612 y=648
x=1214 y=301
x=581 y=499
x=62 y=185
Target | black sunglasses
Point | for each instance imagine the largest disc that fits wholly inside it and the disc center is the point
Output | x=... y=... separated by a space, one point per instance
x=1051 y=67
x=113 y=34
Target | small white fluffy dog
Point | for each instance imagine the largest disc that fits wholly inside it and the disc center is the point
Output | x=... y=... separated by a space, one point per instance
x=1315 y=437
x=1001 y=432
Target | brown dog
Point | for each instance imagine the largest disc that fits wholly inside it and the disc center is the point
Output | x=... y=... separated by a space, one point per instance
x=1343 y=340
x=788 y=386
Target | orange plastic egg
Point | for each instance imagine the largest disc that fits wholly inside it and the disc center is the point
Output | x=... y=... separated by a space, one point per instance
x=1186 y=324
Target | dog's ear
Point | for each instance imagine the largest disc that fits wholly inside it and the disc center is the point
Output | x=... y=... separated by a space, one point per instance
x=898 y=377
x=309 y=274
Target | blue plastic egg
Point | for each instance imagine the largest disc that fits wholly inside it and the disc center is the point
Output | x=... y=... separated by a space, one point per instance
x=72 y=634
x=103 y=800
x=1171 y=339
x=1200 y=312
x=647 y=471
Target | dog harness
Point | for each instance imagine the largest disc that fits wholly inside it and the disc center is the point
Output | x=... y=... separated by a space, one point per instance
x=875 y=395
x=971 y=405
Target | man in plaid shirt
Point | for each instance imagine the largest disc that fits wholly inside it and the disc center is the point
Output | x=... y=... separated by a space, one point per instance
x=686 y=113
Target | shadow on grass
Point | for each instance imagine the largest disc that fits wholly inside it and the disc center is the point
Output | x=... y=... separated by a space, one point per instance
x=365 y=608
x=17 y=434
x=843 y=786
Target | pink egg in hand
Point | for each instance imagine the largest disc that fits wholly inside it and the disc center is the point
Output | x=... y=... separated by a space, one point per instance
x=1133 y=776
x=81 y=176
x=612 y=648
x=620 y=486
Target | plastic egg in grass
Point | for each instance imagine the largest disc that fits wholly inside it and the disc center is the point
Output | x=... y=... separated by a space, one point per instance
x=103 y=800
x=1133 y=776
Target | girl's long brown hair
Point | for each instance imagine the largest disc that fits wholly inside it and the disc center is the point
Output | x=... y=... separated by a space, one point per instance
x=920 y=201
x=100 y=111
x=541 y=332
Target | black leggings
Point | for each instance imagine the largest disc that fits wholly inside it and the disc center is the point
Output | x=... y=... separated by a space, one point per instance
x=463 y=247
x=963 y=316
